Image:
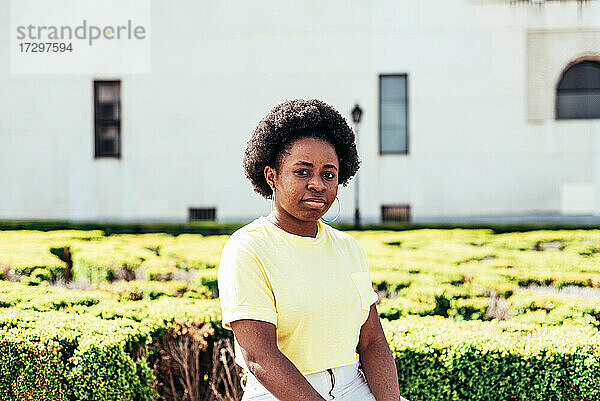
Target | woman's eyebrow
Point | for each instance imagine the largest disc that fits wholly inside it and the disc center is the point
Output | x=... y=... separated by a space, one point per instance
x=303 y=163
x=308 y=164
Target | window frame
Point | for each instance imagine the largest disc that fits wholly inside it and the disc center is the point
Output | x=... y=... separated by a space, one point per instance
x=380 y=110
x=558 y=90
x=98 y=121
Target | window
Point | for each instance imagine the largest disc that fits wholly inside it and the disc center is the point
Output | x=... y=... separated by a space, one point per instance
x=393 y=114
x=578 y=92
x=107 y=119
x=395 y=213
x=207 y=213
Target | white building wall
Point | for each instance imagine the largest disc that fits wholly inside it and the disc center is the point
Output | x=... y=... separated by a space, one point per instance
x=218 y=68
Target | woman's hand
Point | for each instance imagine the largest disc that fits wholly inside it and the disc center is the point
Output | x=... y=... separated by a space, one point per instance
x=377 y=360
x=258 y=341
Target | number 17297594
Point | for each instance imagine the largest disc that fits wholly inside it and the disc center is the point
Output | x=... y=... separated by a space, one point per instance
x=45 y=47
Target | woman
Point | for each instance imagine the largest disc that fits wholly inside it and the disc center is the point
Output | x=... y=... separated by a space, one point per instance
x=295 y=291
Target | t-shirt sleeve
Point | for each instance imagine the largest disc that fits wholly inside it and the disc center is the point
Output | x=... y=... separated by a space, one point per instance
x=244 y=289
x=365 y=261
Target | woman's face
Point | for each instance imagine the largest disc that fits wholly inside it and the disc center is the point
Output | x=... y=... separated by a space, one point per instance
x=306 y=182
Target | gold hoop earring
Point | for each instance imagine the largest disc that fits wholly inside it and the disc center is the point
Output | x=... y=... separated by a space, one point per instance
x=273 y=201
x=338 y=213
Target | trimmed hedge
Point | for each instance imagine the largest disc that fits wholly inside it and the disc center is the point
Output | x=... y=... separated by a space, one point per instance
x=199 y=227
x=30 y=370
x=82 y=358
x=77 y=350
x=58 y=356
x=93 y=343
x=220 y=228
x=440 y=360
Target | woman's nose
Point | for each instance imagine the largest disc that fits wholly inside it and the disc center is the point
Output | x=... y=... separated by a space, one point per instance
x=316 y=184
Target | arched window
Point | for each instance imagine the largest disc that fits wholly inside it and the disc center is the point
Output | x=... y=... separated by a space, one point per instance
x=578 y=92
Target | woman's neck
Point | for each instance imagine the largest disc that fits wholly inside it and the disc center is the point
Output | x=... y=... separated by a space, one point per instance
x=292 y=225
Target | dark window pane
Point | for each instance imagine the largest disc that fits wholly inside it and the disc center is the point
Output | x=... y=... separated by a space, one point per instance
x=584 y=104
x=108 y=146
x=393 y=89
x=584 y=75
x=107 y=106
x=391 y=141
x=108 y=111
x=109 y=92
x=578 y=92
x=110 y=132
x=393 y=114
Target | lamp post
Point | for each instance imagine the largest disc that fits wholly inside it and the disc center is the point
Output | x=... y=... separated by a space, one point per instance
x=356 y=115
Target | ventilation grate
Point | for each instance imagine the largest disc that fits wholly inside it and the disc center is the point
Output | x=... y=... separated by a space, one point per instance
x=203 y=213
x=395 y=213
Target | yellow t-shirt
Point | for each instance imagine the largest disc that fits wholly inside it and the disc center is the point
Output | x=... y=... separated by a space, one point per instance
x=316 y=291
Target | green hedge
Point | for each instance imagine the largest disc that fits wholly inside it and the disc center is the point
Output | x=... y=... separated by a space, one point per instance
x=67 y=356
x=218 y=228
x=84 y=343
x=524 y=307
x=30 y=370
x=200 y=227
x=436 y=361
x=440 y=360
x=71 y=345
x=60 y=356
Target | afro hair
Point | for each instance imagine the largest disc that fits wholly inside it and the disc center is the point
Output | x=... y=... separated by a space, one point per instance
x=290 y=121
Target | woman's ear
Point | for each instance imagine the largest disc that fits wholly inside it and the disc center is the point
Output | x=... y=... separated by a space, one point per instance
x=270 y=175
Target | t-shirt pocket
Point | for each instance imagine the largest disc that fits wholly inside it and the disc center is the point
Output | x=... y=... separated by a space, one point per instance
x=362 y=281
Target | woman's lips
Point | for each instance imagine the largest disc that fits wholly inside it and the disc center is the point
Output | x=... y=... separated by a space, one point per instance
x=315 y=204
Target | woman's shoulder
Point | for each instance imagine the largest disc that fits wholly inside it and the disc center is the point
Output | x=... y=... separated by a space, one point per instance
x=342 y=237
x=247 y=236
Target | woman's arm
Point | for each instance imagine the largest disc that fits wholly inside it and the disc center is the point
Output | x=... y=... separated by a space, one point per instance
x=258 y=341
x=377 y=360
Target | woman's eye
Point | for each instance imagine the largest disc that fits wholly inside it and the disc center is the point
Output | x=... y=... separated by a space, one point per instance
x=301 y=172
x=329 y=175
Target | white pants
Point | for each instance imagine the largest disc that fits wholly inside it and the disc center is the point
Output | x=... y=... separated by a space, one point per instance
x=349 y=384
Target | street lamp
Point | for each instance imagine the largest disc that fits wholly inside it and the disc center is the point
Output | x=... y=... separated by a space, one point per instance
x=356 y=115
